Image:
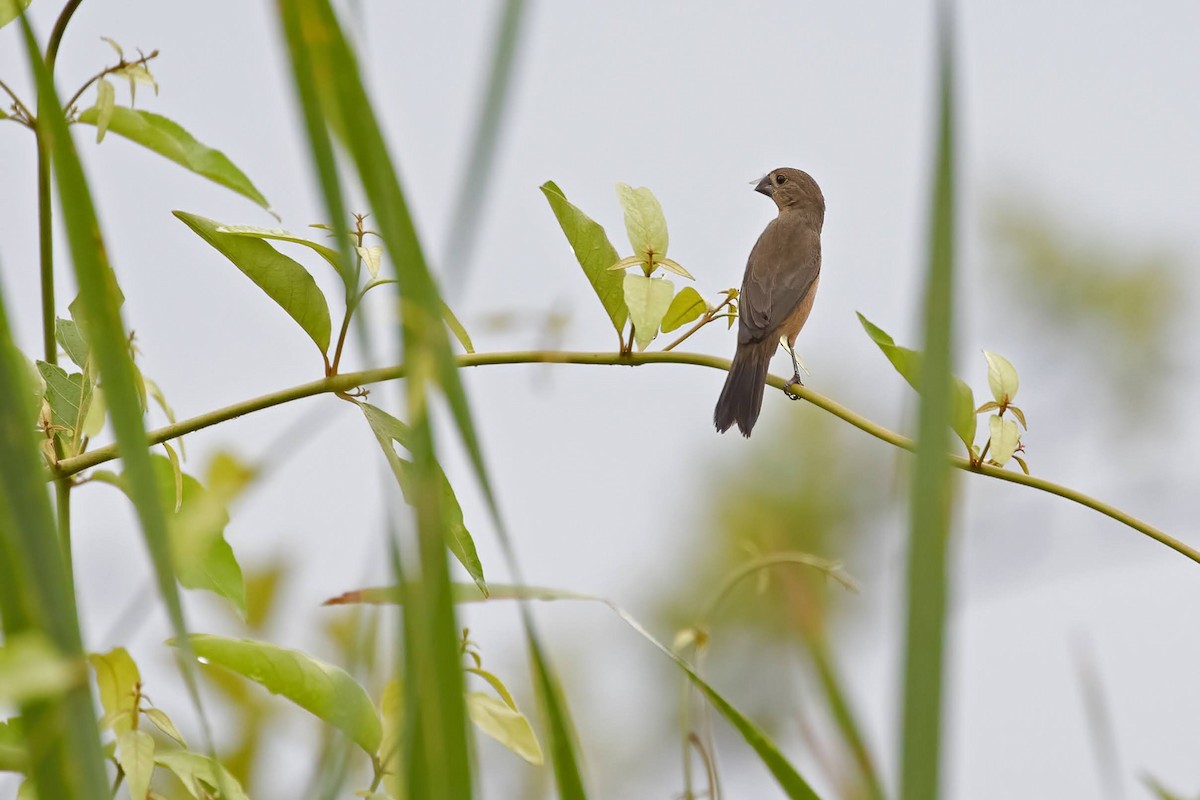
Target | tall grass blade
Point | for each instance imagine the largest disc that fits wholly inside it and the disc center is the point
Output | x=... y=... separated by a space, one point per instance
x=931 y=500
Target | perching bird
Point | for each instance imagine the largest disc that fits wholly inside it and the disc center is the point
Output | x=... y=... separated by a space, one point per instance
x=777 y=293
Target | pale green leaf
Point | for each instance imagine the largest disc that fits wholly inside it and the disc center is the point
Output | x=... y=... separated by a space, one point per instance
x=201 y=776
x=1002 y=378
x=164 y=724
x=1005 y=438
x=119 y=682
x=504 y=724
x=177 y=473
x=70 y=397
x=388 y=429
x=648 y=300
x=457 y=329
x=674 y=266
x=10 y=10
x=322 y=689
x=106 y=101
x=284 y=280
x=594 y=252
x=644 y=220
x=113 y=44
x=135 y=754
x=372 y=258
x=687 y=306
x=254 y=232
x=627 y=262
x=31 y=668
x=157 y=133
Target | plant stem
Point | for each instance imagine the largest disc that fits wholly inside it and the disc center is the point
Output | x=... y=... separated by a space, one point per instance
x=24 y=115
x=62 y=502
x=46 y=245
x=56 y=34
x=350 y=380
x=104 y=72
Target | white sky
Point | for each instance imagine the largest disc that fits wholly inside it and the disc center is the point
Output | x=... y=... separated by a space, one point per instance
x=1087 y=108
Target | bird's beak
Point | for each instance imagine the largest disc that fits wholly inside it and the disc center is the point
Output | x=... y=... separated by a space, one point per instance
x=765 y=186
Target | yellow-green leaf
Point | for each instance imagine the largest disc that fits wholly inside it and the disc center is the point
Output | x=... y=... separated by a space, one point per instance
x=648 y=300
x=322 y=689
x=10 y=10
x=1005 y=438
x=201 y=776
x=594 y=252
x=135 y=754
x=504 y=724
x=119 y=682
x=672 y=265
x=31 y=667
x=688 y=305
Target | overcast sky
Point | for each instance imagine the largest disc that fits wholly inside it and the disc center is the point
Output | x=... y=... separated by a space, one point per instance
x=1087 y=110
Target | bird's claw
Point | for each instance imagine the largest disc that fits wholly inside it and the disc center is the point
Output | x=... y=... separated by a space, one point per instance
x=787 y=388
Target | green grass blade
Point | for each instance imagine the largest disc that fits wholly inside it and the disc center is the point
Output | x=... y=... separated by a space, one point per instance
x=331 y=90
x=930 y=501
x=105 y=332
x=473 y=184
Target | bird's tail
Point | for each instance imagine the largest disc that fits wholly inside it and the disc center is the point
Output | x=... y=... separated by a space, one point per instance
x=741 y=399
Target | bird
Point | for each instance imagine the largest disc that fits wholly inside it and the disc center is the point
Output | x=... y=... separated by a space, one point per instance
x=777 y=294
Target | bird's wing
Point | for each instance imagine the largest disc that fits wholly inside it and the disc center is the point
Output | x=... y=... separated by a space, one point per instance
x=782 y=268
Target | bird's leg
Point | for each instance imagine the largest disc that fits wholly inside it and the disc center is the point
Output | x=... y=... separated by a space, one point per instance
x=795 y=381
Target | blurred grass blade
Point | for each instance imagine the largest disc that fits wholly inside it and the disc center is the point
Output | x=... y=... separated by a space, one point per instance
x=843 y=714
x=473 y=185
x=62 y=741
x=930 y=499
x=331 y=91
x=105 y=333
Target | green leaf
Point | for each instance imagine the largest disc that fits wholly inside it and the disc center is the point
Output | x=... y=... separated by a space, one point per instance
x=388 y=429
x=200 y=775
x=32 y=668
x=11 y=9
x=648 y=300
x=70 y=397
x=644 y=220
x=119 y=682
x=1002 y=378
x=593 y=251
x=687 y=306
x=106 y=101
x=930 y=497
x=326 y=691
x=327 y=253
x=135 y=754
x=70 y=338
x=157 y=133
x=457 y=329
x=284 y=280
x=908 y=363
x=504 y=724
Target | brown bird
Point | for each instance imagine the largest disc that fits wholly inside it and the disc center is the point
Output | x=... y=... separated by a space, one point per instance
x=777 y=293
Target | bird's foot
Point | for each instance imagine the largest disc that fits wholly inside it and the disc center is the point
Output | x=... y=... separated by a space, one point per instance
x=787 y=388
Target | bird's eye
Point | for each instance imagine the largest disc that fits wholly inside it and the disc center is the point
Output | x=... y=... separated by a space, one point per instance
x=779 y=179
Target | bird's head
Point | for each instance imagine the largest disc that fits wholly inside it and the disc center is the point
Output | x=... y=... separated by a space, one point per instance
x=793 y=189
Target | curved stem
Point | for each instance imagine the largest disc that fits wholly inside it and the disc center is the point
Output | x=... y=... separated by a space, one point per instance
x=56 y=34
x=705 y=318
x=351 y=380
x=104 y=73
